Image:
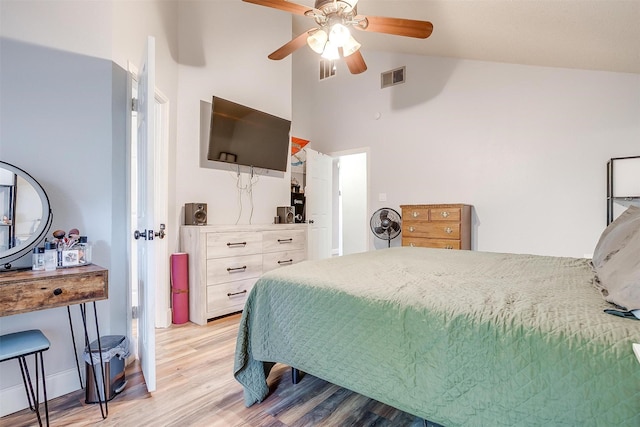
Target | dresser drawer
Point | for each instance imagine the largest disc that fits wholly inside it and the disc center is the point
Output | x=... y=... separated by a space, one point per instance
x=274 y=260
x=444 y=214
x=229 y=269
x=285 y=240
x=430 y=243
x=233 y=244
x=437 y=230
x=228 y=297
x=416 y=213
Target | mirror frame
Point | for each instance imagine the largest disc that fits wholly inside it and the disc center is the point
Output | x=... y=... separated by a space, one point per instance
x=16 y=252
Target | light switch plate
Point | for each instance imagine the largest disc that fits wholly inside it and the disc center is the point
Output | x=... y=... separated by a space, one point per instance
x=382 y=197
x=636 y=350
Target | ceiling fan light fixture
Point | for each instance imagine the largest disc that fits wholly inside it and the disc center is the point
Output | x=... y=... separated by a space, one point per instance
x=339 y=35
x=350 y=47
x=317 y=41
x=332 y=37
x=335 y=5
x=330 y=51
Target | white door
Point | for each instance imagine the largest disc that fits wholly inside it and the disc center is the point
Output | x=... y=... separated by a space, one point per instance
x=318 y=203
x=146 y=219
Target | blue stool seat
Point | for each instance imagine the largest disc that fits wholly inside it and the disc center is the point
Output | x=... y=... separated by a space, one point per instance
x=18 y=345
x=22 y=344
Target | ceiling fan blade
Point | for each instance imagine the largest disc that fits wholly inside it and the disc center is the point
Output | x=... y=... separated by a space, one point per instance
x=397 y=26
x=356 y=63
x=295 y=8
x=288 y=48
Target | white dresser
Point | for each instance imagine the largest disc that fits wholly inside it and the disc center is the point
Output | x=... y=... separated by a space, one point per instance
x=226 y=260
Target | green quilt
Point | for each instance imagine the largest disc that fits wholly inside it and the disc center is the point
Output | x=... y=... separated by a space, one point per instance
x=460 y=338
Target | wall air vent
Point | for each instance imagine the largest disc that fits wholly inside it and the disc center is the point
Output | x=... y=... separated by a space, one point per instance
x=327 y=68
x=393 y=77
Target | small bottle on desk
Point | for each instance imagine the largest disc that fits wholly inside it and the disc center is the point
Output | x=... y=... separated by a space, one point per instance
x=38 y=259
x=50 y=256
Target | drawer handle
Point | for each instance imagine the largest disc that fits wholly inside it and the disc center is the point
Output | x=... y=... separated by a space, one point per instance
x=236 y=244
x=444 y=214
x=412 y=229
x=415 y=214
x=285 y=240
x=232 y=294
x=236 y=269
x=448 y=230
x=288 y=261
x=57 y=291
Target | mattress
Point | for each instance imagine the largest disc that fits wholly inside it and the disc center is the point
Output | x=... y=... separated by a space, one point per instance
x=459 y=338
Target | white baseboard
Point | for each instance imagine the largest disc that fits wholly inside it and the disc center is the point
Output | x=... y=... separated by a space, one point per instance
x=169 y=317
x=164 y=318
x=14 y=398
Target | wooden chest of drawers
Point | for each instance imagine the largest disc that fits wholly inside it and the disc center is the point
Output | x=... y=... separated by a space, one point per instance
x=437 y=226
x=226 y=261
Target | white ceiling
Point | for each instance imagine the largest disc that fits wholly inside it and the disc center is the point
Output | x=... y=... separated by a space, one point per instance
x=584 y=34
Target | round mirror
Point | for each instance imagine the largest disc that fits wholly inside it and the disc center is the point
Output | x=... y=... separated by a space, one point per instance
x=25 y=213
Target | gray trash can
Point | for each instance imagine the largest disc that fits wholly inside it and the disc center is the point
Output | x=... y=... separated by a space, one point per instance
x=115 y=349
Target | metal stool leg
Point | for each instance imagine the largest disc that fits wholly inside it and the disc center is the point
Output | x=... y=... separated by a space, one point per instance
x=33 y=397
x=26 y=380
x=44 y=387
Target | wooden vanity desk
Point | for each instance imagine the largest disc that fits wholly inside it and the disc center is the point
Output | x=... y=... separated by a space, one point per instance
x=25 y=291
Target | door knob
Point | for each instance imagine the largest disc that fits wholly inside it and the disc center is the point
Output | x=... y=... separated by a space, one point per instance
x=140 y=234
x=160 y=234
x=150 y=234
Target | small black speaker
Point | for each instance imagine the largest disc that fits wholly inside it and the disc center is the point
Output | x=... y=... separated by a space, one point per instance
x=297 y=201
x=286 y=214
x=195 y=214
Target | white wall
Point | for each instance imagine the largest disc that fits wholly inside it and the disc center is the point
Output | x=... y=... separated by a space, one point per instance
x=223 y=52
x=133 y=22
x=527 y=146
x=63 y=120
x=70 y=25
x=57 y=123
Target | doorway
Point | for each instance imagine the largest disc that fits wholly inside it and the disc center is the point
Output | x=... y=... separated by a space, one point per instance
x=351 y=201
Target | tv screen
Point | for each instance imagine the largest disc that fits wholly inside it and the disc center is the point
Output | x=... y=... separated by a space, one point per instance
x=245 y=136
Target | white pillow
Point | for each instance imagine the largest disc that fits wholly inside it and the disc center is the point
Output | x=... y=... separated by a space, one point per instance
x=616 y=261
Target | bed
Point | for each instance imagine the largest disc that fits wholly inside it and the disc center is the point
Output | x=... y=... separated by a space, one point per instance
x=459 y=338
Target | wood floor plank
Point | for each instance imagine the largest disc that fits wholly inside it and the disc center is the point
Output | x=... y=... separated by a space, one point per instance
x=195 y=387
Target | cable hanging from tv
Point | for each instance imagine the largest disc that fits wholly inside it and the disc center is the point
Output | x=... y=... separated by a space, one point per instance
x=247 y=188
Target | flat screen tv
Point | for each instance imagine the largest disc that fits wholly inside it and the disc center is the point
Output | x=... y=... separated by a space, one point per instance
x=245 y=136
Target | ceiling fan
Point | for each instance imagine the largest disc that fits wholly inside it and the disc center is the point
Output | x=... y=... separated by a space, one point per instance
x=332 y=38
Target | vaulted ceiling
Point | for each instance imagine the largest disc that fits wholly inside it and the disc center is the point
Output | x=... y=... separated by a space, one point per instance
x=583 y=34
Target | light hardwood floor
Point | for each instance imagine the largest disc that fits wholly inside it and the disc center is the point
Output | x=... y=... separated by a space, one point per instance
x=195 y=387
